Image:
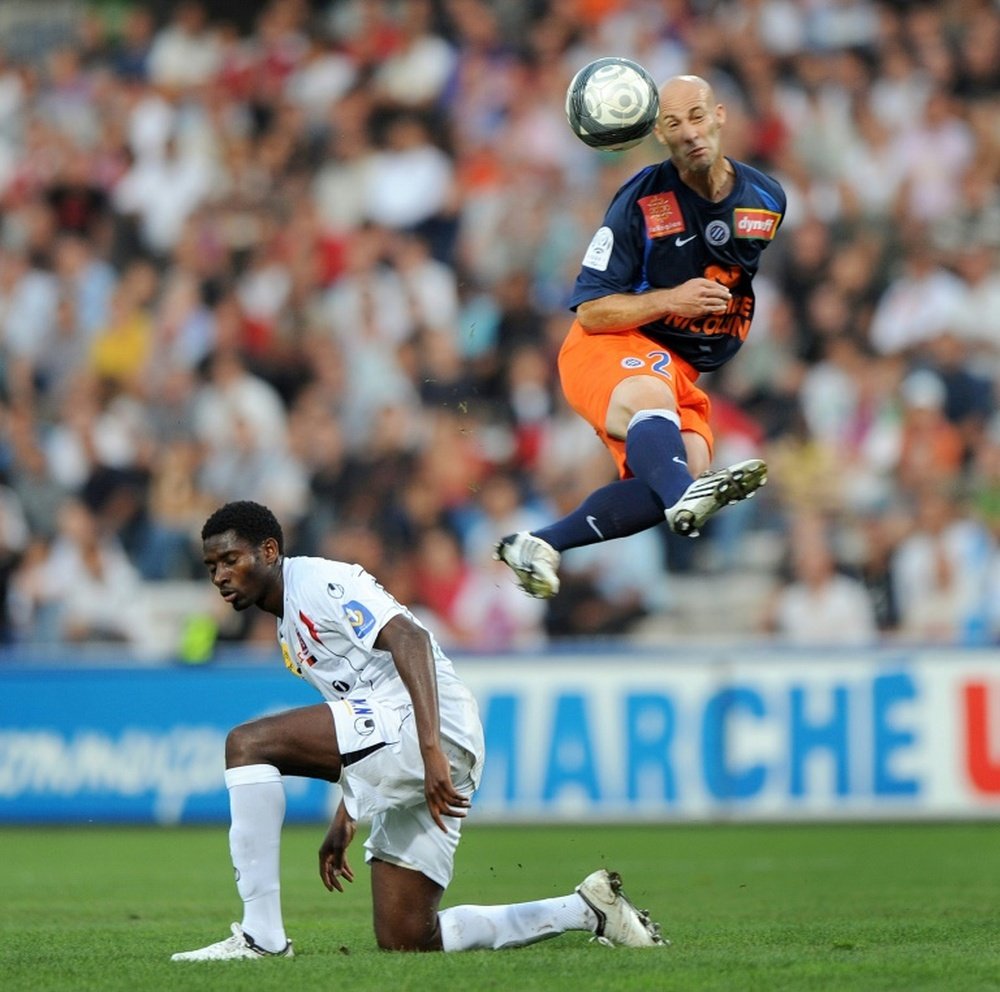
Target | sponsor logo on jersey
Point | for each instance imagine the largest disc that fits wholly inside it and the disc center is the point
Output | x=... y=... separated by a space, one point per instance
x=335 y=589
x=735 y=322
x=599 y=250
x=663 y=215
x=303 y=652
x=339 y=686
x=752 y=222
x=359 y=617
x=717 y=232
x=633 y=363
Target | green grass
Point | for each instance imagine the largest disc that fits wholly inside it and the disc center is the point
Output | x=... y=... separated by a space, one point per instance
x=846 y=907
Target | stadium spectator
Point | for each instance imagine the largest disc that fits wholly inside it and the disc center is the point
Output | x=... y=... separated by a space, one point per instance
x=408 y=757
x=942 y=571
x=414 y=75
x=930 y=445
x=29 y=312
x=411 y=184
x=877 y=533
x=99 y=426
x=40 y=494
x=231 y=396
x=977 y=313
x=129 y=53
x=917 y=304
x=82 y=587
x=159 y=192
x=931 y=183
x=819 y=604
x=183 y=54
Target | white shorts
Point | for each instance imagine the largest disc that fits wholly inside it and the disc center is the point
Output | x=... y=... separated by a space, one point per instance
x=383 y=780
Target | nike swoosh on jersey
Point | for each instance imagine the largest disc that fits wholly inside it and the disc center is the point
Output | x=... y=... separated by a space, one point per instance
x=681 y=242
x=593 y=526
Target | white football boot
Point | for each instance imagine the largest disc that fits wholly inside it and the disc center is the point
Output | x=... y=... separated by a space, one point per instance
x=618 y=921
x=713 y=490
x=533 y=561
x=239 y=945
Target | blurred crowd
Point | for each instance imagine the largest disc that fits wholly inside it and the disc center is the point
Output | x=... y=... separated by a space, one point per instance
x=321 y=261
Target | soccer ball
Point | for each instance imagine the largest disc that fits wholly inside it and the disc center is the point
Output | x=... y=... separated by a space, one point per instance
x=612 y=103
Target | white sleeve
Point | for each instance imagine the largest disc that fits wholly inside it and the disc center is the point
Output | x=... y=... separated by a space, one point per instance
x=349 y=601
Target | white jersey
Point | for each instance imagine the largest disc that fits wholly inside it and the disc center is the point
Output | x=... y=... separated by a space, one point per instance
x=333 y=612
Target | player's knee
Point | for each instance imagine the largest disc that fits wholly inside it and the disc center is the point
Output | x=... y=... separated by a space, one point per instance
x=244 y=744
x=411 y=934
x=634 y=395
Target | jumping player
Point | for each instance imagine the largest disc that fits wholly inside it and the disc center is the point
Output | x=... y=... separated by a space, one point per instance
x=400 y=733
x=664 y=294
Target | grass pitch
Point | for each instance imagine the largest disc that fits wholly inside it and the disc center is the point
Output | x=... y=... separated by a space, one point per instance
x=846 y=907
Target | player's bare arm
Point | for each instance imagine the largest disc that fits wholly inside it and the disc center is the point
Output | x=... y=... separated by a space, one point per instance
x=333 y=863
x=410 y=647
x=620 y=311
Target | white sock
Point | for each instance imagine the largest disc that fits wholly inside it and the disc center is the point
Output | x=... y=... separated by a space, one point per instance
x=472 y=928
x=257 y=810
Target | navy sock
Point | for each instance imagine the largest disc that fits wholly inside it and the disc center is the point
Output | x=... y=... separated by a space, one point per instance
x=654 y=450
x=618 y=509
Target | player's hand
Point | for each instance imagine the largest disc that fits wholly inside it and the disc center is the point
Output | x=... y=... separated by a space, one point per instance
x=443 y=799
x=698 y=297
x=333 y=864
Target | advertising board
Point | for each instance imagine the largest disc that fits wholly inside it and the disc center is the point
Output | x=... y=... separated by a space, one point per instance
x=707 y=735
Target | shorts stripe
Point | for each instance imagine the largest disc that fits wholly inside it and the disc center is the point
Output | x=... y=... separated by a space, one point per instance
x=352 y=756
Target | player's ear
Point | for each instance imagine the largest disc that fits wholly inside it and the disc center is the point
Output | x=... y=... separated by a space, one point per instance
x=720 y=114
x=660 y=137
x=270 y=549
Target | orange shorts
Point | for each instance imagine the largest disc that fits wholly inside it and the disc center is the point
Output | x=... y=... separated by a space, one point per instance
x=591 y=365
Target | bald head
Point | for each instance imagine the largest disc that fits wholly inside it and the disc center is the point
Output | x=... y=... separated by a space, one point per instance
x=687 y=87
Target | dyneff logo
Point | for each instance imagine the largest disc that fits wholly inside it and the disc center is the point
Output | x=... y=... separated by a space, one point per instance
x=750 y=223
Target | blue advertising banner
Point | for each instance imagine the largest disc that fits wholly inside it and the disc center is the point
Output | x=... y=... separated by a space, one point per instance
x=134 y=745
x=705 y=735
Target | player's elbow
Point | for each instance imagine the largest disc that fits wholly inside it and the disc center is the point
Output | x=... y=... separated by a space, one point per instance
x=587 y=314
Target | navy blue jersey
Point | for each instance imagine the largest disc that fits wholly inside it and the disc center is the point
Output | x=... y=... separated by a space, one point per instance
x=658 y=233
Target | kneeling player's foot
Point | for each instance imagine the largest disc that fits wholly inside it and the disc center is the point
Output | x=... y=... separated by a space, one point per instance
x=713 y=490
x=618 y=921
x=533 y=561
x=239 y=945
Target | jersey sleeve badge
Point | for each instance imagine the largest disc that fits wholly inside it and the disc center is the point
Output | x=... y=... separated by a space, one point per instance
x=360 y=618
x=599 y=250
